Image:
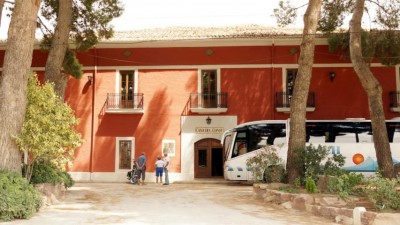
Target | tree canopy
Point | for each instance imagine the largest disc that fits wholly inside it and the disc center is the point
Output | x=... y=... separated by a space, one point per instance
x=48 y=133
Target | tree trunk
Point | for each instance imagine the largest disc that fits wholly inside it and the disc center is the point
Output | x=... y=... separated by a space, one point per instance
x=297 y=137
x=14 y=81
x=58 y=48
x=374 y=92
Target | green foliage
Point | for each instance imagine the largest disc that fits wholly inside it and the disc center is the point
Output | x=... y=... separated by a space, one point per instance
x=285 y=14
x=381 y=44
x=48 y=133
x=317 y=161
x=71 y=65
x=48 y=173
x=266 y=165
x=90 y=22
x=18 y=199
x=344 y=185
x=382 y=191
x=311 y=187
x=288 y=189
x=333 y=14
x=387 y=47
x=297 y=182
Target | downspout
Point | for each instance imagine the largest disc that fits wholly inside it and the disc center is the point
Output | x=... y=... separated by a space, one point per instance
x=92 y=122
x=272 y=75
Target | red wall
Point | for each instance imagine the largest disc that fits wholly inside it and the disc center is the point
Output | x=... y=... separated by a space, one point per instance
x=250 y=91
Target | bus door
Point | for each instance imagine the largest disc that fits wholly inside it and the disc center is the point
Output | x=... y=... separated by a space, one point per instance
x=237 y=169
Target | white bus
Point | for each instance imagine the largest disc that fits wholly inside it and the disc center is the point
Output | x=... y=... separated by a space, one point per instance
x=351 y=137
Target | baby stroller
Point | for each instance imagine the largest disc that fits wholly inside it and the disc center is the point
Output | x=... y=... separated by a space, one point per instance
x=132 y=175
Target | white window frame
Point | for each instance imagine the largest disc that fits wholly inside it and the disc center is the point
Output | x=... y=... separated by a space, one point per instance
x=201 y=110
x=284 y=88
x=118 y=81
x=199 y=80
x=284 y=76
x=117 y=140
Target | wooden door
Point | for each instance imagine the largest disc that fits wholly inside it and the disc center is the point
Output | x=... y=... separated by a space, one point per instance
x=208 y=160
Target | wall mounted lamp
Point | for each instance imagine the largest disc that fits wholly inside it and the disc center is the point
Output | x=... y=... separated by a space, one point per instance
x=332 y=75
x=208 y=120
x=90 y=80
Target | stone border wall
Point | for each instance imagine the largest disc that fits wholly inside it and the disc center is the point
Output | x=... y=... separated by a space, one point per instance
x=52 y=193
x=311 y=204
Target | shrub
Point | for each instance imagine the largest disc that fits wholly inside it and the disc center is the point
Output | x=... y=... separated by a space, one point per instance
x=18 y=199
x=266 y=166
x=48 y=173
x=288 y=189
x=344 y=184
x=382 y=191
x=317 y=161
x=311 y=187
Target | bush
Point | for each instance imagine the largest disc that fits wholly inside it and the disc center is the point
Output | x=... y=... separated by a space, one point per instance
x=382 y=191
x=47 y=173
x=266 y=166
x=311 y=187
x=317 y=161
x=344 y=184
x=18 y=199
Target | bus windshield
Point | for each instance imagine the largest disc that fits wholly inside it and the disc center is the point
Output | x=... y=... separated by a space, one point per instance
x=252 y=137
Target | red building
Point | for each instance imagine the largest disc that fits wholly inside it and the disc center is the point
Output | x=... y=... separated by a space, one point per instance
x=181 y=88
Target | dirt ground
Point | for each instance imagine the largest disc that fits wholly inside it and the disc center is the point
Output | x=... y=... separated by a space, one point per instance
x=186 y=204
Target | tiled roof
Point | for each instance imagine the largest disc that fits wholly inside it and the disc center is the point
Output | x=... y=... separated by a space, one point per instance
x=198 y=33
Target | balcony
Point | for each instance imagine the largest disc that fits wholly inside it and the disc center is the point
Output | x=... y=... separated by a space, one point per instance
x=124 y=104
x=208 y=103
x=394 y=101
x=282 y=102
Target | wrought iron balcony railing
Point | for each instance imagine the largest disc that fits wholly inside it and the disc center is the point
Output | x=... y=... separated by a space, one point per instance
x=208 y=100
x=124 y=102
x=282 y=100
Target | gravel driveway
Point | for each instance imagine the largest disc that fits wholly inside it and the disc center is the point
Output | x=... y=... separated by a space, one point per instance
x=186 y=204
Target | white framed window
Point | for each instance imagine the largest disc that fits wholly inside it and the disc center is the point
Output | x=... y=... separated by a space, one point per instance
x=209 y=87
x=124 y=153
x=126 y=88
x=126 y=81
x=209 y=80
x=288 y=79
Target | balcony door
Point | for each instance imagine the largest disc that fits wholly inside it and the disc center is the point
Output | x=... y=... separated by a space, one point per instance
x=290 y=79
x=209 y=88
x=127 y=90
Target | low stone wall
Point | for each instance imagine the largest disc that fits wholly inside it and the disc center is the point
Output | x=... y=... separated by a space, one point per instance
x=328 y=206
x=52 y=193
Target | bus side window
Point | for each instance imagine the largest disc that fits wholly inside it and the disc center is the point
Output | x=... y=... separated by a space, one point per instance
x=393 y=130
x=315 y=133
x=277 y=135
x=330 y=137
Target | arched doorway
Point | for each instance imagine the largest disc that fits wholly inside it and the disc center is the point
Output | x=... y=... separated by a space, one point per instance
x=208 y=160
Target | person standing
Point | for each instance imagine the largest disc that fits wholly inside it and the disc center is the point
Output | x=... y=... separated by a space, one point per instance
x=159 y=168
x=166 y=164
x=141 y=163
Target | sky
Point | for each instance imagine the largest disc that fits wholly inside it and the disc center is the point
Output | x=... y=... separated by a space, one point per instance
x=168 y=13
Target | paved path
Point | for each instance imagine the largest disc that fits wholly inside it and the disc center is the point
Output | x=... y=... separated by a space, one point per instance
x=153 y=204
